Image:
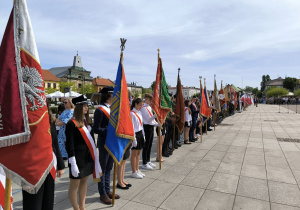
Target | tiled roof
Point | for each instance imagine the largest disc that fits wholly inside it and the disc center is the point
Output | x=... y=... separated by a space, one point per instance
x=48 y=76
x=60 y=71
x=102 y=82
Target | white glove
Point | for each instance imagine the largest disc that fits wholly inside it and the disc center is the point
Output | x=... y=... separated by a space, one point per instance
x=134 y=143
x=74 y=167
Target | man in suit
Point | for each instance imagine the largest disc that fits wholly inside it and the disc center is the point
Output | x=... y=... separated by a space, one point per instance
x=195 y=113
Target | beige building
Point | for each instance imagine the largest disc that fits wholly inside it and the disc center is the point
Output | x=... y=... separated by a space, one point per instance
x=51 y=81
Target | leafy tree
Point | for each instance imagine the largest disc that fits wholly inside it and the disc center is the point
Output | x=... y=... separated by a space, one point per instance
x=254 y=91
x=297 y=92
x=248 y=89
x=152 y=85
x=259 y=94
x=290 y=83
x=64 y=85
x=275 y=92
x=136 y=93
x=87 y=88
x=50 y=90
x=265 y=78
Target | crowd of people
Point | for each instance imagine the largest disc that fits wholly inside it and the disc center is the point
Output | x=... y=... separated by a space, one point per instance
x=73 y=138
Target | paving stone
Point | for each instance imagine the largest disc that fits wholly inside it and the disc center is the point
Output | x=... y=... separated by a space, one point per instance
x=280 y=175
x=253 y=188
x=254 y=159
x=214 y=155
x=183 y=197
x=283 y=193
x=233 y=157
x=156 y=193
x=226 y=183
x=276 y=206
x=209 y=201
x=230 y=168
x=220 y=147
x=277 y=162
x=136 y=206
x=274 y=153
x=198 y=178
x=237 y=149
x=250 y=204
x=254 y=171
x=208 y=165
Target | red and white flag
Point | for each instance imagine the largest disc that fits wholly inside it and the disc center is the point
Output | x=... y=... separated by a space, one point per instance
x=23 y=105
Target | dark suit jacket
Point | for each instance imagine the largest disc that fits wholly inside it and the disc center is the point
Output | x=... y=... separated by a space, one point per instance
x=194 y=112
x=100 y=126
x=60 y=161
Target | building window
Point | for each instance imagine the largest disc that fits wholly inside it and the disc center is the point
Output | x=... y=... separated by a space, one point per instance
x=54 y=85
x=49 y=85
x=79 y=85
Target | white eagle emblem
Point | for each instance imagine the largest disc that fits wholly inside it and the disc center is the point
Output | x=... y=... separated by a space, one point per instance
x=31 y=80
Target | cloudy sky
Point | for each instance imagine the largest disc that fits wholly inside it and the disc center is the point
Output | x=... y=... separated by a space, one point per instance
x=238 y=40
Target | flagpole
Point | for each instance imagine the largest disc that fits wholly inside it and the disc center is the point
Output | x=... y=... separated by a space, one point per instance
x=200 y=78
x=215 y=112
x=159 y=131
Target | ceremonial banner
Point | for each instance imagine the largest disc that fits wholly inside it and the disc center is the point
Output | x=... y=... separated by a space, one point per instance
x=235 y=99
x=22 y=96
x=204 y=111
x=226 y=92
x=120 y=133
x=179 y=108
x=216 y=100
x=2 y=190
x=161 y=102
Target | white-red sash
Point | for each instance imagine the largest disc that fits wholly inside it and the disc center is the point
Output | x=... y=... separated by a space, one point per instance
x=104 y=111
x=194 y=106
x=97 y=173
x=53 y=170
x=138 y=117
x=148 y=111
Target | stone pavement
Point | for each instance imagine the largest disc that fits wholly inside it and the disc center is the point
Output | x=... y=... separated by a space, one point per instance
x=241 y=165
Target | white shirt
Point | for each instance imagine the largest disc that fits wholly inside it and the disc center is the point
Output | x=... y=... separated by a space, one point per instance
x=137 y=121
x=188 y=116
x=106 y=107
x=148 y=117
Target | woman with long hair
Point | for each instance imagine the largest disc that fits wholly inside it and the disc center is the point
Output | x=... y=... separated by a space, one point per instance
x=81 y=150
x=188 y=121
x=138 y=143
x=61 y=121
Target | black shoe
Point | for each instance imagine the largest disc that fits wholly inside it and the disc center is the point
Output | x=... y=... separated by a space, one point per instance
x=164 y=154
x=175 y=146
x=170 y=152
x=191 y=140
x=178 y=144
x=123 y=188
x=209 y=129
x=129 y=185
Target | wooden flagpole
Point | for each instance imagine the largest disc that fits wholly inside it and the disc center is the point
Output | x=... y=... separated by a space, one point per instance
x=206 y=126
x=114 y=184
x=159 y=148
x=201 y=130
x=215 y=113
x=173 y=137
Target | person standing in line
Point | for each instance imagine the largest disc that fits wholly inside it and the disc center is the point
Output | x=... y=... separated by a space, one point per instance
x=66 y=115
x=101 y=120
x=188 y=121
x=81 y=163
x=149 y=123
x=195 y=113
x=60 y=110
x=44 y=199
x=138 y=143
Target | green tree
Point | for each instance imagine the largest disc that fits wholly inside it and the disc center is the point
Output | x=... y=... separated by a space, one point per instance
x=297 y=92
x=275 y=92
x=152 y=86
x=290 y=83
x=259 y=94
x=64 y=85
x=50 y=90
x=87 y=88
x=254 y=91
x=136 y=93
x=265 y=78
x=248 y=89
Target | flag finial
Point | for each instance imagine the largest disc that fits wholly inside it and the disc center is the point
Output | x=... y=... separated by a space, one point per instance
x=158 y=50
x=123 y=41
x=179 y=70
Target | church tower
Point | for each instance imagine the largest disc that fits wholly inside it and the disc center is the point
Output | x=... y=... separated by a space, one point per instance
x=77 y=61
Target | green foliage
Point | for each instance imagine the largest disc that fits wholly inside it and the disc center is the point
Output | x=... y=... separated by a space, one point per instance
x=197 y=95
x=147 y=90
x=290 y=83
x=275 y=92
x=50 y=90
x=136 y=93
x=67 y=85
x=87 y=88
x=259 y=94
x=248 y=89
x=297 y=92
x=254 y=91
x=265 y=78
x=152 y=85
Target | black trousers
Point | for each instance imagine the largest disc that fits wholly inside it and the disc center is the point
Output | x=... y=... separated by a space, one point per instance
x=149 y=132
x=43 y=200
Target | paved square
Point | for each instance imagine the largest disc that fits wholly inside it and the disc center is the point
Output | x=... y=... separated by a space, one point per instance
x=242 y=166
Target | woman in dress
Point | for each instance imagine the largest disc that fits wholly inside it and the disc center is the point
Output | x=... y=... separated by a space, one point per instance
x=60 y=110
x=79 y=135
x=138 y=143
x=62 y=121
x=188 y=121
